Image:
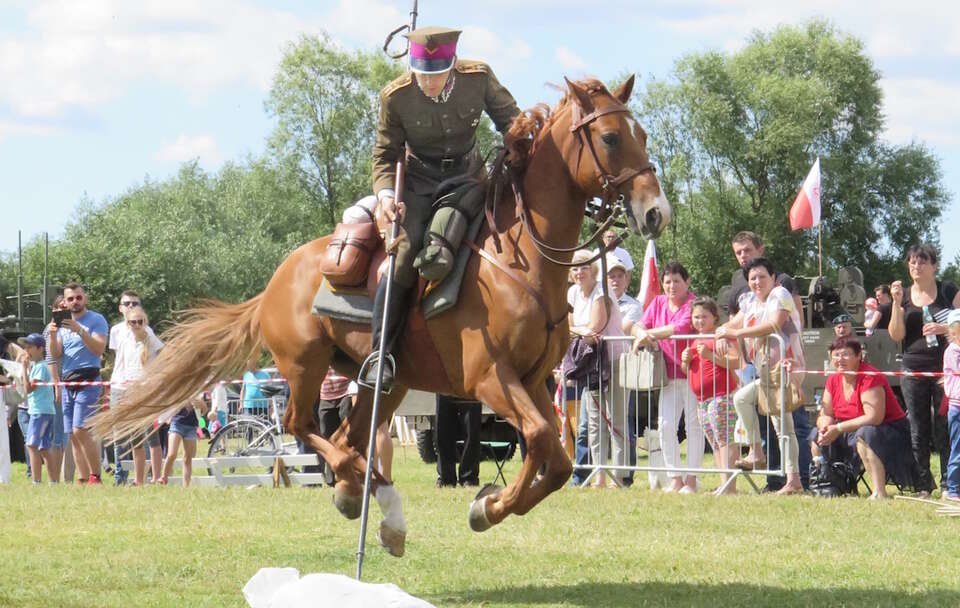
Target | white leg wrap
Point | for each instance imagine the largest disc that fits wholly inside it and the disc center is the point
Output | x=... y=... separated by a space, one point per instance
x=392 y=507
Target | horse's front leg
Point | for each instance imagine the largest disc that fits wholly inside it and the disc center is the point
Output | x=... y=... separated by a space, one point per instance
x=532 y=413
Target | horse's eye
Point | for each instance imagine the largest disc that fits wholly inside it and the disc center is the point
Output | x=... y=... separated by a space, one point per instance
x=611 y=139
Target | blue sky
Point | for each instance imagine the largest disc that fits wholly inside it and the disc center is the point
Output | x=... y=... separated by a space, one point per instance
x=98 y=94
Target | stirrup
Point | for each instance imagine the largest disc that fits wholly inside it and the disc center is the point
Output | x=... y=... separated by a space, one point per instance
x=367 y=366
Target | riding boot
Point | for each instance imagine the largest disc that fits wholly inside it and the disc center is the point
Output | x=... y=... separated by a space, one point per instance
x=397 y=317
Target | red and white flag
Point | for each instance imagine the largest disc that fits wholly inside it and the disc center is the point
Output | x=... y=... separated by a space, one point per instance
x=650 y=279
x=805 y=212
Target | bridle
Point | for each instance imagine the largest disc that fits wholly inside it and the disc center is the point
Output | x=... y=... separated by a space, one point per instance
x=612 y=205
x=611 y=208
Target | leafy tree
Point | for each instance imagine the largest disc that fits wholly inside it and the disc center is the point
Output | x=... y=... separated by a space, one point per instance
x=325 y=103
x=735 y=135
x=190 y=237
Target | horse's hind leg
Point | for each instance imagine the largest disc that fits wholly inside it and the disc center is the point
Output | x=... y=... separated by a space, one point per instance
x=531 y=412
x=304 y=376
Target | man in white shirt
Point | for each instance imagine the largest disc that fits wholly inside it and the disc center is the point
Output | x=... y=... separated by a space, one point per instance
x=618 y=279
x=619 y=252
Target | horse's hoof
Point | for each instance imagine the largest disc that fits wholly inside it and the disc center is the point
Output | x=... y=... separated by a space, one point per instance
x=391 y=540
x=349 y=506
x=478 y=511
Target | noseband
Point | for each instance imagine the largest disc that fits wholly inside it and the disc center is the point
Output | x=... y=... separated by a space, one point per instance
x=608 y=182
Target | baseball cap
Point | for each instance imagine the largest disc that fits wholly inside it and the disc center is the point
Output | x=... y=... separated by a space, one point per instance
x=33 y=340
x=954 y=316
x=614 y=262
x=842 y=318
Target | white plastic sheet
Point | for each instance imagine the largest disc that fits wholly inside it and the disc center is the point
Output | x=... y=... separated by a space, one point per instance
x=283 y=587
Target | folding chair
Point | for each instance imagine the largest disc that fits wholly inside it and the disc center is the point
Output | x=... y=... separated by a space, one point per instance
x=498 y=451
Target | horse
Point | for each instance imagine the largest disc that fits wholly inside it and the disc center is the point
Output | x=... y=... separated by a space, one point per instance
x=497 y=345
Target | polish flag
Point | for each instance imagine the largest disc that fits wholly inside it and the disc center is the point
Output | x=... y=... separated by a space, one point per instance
x=805 y=212
x=650 y=279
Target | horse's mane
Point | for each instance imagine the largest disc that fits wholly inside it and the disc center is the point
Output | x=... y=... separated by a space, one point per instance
x=532 y=124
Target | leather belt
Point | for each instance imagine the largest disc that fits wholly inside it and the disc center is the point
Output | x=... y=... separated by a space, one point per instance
x=445 y=164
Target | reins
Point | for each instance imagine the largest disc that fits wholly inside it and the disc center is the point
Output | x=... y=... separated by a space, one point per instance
x=611 y=209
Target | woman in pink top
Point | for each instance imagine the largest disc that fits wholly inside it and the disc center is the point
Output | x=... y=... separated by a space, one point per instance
x=667 y=315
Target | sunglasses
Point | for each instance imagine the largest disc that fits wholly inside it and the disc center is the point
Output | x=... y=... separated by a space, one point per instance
x=137 y=322
x=130 y=303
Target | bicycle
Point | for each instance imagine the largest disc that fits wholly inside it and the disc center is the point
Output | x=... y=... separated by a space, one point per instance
x=250 y=435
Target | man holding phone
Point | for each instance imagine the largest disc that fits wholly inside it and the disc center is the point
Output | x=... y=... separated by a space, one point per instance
x=80 y=341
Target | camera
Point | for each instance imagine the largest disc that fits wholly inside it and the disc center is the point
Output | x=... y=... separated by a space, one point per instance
x=60 y=315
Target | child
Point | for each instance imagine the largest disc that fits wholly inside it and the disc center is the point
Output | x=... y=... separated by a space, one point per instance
x=951 y=387
x=713 y=383
x=41 y=409
x=183 y=429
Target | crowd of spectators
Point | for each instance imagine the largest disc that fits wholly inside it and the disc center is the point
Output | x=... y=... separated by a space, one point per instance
x=889 y=441
x=711 y=384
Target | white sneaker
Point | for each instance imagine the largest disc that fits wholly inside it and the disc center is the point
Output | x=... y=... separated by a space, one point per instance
x=687 y=490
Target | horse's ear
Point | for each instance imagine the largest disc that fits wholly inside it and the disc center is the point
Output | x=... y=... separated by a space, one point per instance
x=583 y=97
x=623 y=91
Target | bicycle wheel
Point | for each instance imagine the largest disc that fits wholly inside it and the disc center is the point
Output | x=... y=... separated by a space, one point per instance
x=244 y=437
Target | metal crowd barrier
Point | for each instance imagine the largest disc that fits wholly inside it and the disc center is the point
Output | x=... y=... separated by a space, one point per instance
x=618 y=424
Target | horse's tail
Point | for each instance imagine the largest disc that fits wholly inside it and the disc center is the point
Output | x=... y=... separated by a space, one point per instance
x=212 y=342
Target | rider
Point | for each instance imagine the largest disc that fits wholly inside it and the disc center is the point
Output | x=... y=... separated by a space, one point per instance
x=432 y=112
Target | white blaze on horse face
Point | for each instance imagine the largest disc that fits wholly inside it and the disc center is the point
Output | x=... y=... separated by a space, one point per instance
x=651 y=211
x=635 y=128
x=641 y=203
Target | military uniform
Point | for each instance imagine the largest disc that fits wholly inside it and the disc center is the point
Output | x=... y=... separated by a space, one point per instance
x=439 y=137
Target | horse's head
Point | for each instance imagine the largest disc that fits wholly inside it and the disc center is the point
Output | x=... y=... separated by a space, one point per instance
x=608 y=155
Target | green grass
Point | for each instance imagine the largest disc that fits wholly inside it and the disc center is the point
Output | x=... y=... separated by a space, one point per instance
x=168 y=546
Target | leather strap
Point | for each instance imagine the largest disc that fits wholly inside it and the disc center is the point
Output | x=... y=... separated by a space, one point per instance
x=538 y=298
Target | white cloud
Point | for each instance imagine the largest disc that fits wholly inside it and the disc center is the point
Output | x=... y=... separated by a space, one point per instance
x=923 y=109
x=81 y=53
x=190 y=147
x=479 y=42
x=570 y=60
x=890 y=28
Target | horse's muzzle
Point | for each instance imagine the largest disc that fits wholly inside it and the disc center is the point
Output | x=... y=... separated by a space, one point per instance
x=652 y=224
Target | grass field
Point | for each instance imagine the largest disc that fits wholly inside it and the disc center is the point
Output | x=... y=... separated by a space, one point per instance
x=70 y=546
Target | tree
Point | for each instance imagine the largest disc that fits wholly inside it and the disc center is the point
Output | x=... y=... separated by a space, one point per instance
x=190 y=237
x=325 y=103
x=735 y=135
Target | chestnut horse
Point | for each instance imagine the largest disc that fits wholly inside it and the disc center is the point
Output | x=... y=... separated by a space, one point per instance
x=497 y=345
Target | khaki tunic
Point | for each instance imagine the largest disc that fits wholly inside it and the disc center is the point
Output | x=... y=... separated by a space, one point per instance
x=433 y=131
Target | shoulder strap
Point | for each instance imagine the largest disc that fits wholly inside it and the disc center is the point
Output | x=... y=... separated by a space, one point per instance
x=397 y=84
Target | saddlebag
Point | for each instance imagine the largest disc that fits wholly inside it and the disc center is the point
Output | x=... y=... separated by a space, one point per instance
x=346 y=261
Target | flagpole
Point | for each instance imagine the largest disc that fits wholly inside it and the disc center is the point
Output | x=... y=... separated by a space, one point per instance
x=820 y=250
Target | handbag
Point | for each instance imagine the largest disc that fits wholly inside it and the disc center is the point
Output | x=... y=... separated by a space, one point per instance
x=585 y=362
x=769 y=398
x=642 y=371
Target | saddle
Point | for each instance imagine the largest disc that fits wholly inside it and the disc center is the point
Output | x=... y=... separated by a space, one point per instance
x=356 y=260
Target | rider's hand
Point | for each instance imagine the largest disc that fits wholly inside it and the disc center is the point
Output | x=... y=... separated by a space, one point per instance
x=389 y=209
